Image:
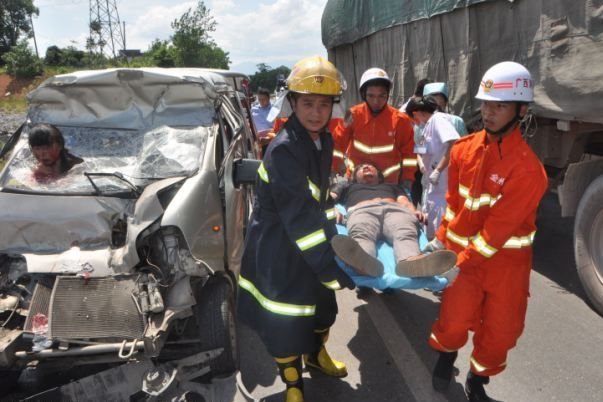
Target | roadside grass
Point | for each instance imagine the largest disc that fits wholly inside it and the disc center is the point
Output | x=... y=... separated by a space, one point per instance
x=17 y=102
x=13 y=104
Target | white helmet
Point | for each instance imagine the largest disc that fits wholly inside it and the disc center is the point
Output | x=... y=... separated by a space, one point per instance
x=374 y=74
x=506 y=82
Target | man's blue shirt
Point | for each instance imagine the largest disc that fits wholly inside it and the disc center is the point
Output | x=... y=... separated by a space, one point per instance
x=259 y=115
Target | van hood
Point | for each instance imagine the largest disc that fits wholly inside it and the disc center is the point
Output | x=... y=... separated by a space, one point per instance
x=70 y=234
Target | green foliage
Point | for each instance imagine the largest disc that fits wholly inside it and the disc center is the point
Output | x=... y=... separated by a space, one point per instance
x=193 y=46
x=22 y=62
x=68 y=56
x=266 y=77
x=15 y=22
x=161 y=54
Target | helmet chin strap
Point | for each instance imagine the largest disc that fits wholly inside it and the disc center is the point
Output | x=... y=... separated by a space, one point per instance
x=504 y=128
x=515 y=120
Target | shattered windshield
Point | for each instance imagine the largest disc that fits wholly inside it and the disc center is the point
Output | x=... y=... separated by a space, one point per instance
x=125 y=157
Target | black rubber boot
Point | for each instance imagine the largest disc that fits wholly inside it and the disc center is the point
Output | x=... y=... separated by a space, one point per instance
x=474 y=388
x=442 y=372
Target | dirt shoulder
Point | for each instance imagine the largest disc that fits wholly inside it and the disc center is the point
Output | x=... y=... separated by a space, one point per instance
x=14 y=86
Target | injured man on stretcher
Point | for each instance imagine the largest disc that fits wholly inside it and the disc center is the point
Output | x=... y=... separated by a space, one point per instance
x=381 y=211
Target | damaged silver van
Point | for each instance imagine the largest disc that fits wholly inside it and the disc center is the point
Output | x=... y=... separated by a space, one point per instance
x=129 y=261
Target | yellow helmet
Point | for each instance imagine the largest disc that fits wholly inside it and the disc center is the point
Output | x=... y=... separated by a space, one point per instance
x=315 y=75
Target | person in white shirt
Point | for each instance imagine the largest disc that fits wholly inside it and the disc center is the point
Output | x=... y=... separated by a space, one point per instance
x=439 y=91
x=433 y=154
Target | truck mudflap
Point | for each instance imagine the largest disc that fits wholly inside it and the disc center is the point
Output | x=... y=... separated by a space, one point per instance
x=147 y=381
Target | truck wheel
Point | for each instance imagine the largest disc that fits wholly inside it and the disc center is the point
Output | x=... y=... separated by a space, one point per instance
x=214 y=313
x=588 y=243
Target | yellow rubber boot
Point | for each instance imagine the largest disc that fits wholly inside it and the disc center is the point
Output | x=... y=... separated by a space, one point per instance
x=322 y=360
x=290 y=369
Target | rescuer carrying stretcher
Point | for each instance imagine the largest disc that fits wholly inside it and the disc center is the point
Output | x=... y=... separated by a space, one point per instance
x=288 y=272
x=495 y=183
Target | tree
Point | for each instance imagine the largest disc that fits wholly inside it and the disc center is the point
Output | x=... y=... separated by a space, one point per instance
x=68 y=56
x=263 y=67
x=21 y=61
x=162 y=54
x=15 y=22
x=192 y=42
x=266 y=77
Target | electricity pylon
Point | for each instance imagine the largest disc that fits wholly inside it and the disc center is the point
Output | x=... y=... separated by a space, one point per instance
x=105 y=28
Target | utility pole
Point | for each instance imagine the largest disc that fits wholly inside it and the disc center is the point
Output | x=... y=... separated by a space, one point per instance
x=34 y=36
x=105 y=27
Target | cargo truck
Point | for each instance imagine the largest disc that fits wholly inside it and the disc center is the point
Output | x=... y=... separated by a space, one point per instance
x=559 y=41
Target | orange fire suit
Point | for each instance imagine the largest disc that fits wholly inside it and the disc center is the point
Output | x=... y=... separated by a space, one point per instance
x=385 y=140
x=493 y=194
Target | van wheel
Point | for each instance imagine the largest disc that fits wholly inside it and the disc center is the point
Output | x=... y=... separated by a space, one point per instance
x=588 y=243
x=214 y=313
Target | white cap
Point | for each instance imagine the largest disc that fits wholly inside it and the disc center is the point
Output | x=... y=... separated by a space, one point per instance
x=506 y=82
x=435 y=88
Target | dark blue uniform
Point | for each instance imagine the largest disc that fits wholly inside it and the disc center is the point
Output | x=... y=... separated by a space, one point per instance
x=288 y=271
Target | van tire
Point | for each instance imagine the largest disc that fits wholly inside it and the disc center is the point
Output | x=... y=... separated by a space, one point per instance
x=214 y=313
x=588 y=243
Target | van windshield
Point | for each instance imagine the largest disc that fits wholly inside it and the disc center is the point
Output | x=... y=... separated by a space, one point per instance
x=139 y=156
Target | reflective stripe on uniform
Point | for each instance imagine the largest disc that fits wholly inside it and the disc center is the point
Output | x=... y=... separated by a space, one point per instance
x=331 y=213
x=475 y=203
x=296 y=310
x=315 y=190
x=435 y=339
x=520 y=241
x=263 y=173
x=311 y=240
x=391 y=170
x=453 y=237
x=484 y=248
x=409 y=162
x=333 y=285
x=479 y=368
x=337 y=154
x=449 y=216
x=373 y=150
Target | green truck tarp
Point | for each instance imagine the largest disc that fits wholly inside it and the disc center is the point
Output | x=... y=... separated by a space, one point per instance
x=345 y=21
x=559 y=41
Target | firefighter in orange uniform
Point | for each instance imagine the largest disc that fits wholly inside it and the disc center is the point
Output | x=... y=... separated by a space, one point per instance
x=495 y=183
x=377 y=133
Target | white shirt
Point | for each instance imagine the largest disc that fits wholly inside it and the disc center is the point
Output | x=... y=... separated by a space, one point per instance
x=437 y=132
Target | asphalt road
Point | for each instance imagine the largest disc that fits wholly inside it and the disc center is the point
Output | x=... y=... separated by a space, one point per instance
x=383 y=340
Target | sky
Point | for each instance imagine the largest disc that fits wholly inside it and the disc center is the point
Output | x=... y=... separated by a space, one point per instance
x=274 y=32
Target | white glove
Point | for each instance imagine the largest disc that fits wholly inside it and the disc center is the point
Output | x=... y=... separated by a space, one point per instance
x=434 y=177
x=434 y=245
x=451 y=274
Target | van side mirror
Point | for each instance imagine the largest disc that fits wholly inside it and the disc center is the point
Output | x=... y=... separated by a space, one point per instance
x=245 y=171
